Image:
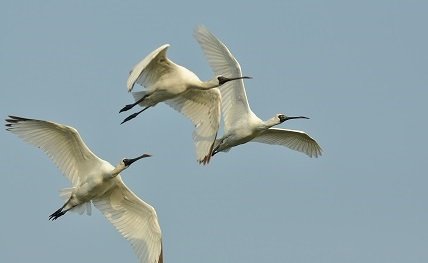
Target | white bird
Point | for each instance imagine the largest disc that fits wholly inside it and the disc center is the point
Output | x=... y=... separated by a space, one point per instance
x=181 y=89
x=241 y=125
x=97 y=181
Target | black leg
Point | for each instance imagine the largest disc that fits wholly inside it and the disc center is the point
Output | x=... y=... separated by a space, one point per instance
x=130 y=106
x=130 y=117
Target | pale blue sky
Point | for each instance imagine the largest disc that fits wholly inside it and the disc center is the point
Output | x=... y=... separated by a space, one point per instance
x=357 y=68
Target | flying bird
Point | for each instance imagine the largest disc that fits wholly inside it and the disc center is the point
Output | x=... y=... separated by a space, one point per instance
x=181 y=89
x=94 y=180
x=241 y=125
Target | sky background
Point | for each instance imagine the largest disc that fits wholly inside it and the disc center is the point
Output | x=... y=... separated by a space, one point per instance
x=358 y=69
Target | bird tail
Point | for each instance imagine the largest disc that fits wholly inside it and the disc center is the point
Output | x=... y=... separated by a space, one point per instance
x=66 y=193
x=80 y=209
x=139 y=95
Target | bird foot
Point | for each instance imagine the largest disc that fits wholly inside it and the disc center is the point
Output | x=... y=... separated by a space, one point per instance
x=130 y=106
x=130 y=117
x=127 y=107
x=56 y=214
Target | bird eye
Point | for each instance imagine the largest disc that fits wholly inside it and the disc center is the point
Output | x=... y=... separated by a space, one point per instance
x=221 y=80
x=125 y=161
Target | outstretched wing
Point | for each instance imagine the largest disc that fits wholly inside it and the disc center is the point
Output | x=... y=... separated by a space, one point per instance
x=295 y=140
x=150 y=69
x=61 y=143
x=234 y=99
x=203 y=108
x=135 y=220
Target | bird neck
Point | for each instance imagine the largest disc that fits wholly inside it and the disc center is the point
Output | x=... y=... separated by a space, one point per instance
x=117 y=170
x=210 y=84
x=271 y=122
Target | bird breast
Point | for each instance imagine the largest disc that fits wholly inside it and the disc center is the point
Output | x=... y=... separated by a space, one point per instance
x=95 y=186
x=168 y=87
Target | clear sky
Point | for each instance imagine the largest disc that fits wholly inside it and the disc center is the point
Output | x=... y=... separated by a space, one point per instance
x=358 y=69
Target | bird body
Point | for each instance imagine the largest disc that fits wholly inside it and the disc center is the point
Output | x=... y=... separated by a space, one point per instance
x=168 y=80
x=241 y=125
x=180 y=88
x=94 y=181
x=98 y=183
x=243 y=131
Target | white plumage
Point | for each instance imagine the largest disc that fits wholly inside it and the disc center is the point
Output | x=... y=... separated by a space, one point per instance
x=241 y=125
x=181 y=89
x=97 y=181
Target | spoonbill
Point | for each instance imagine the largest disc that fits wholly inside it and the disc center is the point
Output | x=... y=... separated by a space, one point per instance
x=241 y=125
x=181 y=89
x=94 y=180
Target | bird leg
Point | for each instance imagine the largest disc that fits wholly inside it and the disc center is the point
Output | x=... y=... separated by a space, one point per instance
x=130 y=117
x=215 y=150
x=130 y=106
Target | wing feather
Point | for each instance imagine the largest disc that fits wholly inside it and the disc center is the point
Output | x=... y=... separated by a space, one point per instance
x=134 y=219
x=234 y=99
x=150 y=69
x=203 y=108
x=295 y=140
x=61 y=143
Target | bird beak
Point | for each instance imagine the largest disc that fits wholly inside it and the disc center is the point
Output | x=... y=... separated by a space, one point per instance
x=224 y=79
x=296 y=117
x=130 y=161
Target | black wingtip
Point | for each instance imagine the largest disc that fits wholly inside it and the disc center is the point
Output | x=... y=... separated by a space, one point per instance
x=205 y=160
x=15 y=119
x=10 y=121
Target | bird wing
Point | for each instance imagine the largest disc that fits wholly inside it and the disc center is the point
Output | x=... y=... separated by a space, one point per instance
x=134 y=219
x=234 y=99
x=203 y=108
x=295 y=140
x=61 y=143
x=150 y=69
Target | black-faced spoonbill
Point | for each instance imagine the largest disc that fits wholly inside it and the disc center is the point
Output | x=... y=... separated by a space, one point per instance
x=94 y=180
x=241 y=125
x=181 y=89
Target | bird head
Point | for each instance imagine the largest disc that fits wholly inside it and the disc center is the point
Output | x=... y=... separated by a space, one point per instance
x=125 y=163
x=128 y=162
x=221 y=79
